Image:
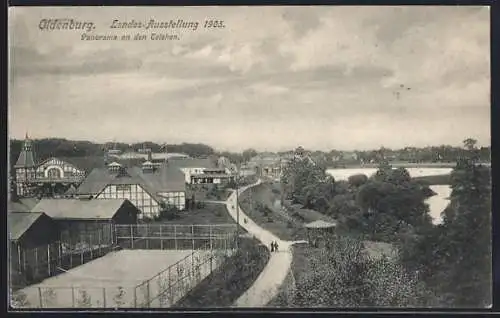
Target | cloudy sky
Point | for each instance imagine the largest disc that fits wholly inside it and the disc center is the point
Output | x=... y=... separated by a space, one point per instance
x=273 y=78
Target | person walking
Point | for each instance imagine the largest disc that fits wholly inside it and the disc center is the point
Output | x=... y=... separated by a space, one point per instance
x=272 y=246
x=275 y=246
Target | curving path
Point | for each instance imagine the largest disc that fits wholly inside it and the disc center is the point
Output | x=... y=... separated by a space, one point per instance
x=266 y=286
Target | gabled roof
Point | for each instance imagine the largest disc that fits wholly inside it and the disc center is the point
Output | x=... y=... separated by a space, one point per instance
x=20 y=222
x=164 y=179
x=95 y=181
x=80 y=209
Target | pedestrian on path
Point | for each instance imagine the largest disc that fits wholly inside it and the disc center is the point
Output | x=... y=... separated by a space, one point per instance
x=272 y=246
x=275 y=246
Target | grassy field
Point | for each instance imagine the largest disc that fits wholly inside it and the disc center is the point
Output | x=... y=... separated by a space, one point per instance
x=210 y=213
x=207 y=192
x=226 y=284
x=257 y=202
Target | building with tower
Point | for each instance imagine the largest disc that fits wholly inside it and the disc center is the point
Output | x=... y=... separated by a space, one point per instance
x=47 y=178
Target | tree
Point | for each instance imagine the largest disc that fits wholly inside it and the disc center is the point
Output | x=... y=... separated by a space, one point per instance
x=454 y=258
x=342 y=275
x=357 y=180
x=248 y=154
x=470 y=144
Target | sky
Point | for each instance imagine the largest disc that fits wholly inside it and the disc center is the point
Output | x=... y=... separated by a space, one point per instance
x=273 y=79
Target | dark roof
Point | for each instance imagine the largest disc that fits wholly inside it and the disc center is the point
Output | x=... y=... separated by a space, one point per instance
x=211 y=175
x=80 y=209
x=164 y=179
x=25 y=159
x=86 y=163
x=193 y=163
x=97 y=179
x=20 y=222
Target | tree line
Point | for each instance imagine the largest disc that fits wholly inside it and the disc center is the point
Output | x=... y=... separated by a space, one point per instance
x=446 y=265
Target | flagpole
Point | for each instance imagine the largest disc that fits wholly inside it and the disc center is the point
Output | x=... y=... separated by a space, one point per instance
x=237 y=213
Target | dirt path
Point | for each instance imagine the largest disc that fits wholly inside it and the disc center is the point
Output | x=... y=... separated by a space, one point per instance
x=266 y=286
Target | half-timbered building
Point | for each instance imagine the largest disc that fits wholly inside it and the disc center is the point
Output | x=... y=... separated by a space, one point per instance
x=48 y=177
x=147 y=187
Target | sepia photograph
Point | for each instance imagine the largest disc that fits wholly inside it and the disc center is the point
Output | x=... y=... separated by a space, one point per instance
x=334 y=157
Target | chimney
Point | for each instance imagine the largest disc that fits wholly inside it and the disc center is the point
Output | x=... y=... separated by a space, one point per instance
x=114 y=167
x=147 y=167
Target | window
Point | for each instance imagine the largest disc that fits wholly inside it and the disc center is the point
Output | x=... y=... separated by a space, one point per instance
x=54 y=173
x=123 y=187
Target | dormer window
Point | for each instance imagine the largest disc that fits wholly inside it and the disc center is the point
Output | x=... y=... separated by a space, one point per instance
x=114 y=167
x=147 y=166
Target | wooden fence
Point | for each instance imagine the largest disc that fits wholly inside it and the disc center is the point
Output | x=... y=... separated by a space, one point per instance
x=29 y=266
x=173 y=283
x=162 y=290
x=171 y=236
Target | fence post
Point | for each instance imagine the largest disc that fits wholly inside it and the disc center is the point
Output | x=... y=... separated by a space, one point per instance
x=81 y=250
x=40 y=296
x=170 y=296
x=91 y=244
x=131 y=237
x=148 y=295
x=99 y=237
x=73 y=296
x=210 y=231
x=59 y=253
x=161 y=239
x=36 y=261
x=19 y=257
x=48 y=258
x=192 y=267
x=175 y=236
x=24 y=260
x=225 y=243
x=147 y=236
x=104 y=297
x=135 y=297
x=192 y=235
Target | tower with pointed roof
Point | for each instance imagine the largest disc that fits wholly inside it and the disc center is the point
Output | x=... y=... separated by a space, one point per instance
x=25 y=167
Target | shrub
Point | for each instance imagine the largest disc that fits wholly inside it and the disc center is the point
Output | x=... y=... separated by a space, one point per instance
x=343 y=276
x=235 y=275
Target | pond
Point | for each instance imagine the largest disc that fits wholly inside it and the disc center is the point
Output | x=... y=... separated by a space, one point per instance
x=437 y=203
x=344 y=174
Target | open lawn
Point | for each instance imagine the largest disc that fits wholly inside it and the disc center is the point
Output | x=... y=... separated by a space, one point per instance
x=207 y=192
x=210 y=213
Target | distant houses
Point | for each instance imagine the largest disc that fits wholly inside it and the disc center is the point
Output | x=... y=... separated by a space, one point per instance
x=202 y=170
